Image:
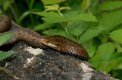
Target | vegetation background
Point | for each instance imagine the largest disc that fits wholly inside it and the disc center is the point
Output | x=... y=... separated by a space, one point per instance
x=96 y=24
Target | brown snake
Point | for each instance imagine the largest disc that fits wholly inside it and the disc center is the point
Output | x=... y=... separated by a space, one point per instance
x=56 y=42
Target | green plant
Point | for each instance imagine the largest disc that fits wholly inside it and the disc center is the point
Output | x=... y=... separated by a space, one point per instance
x=95 y=24
x=3 y=39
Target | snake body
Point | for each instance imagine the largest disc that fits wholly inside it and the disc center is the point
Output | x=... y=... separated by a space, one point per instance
x=56 y=42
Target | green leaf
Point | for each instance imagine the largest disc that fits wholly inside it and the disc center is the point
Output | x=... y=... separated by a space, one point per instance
x=42 y=26
x=48 y=17
x=46 y=2
x=55 y=32
x=91 y=47
x=91 y=33
x=113 y=63
x=6 y=4
x=116 y=35
x=104 y=51
x=54 y=7
x=4 y=55
x=26 y=13
x=85 y=4
x=110 y=5
x=119 y=67
x=4 y=37
x=64 y=8
x=111 y=20
x=76 y=28
x=118 y=46
x=77 y=15
x=106 y=57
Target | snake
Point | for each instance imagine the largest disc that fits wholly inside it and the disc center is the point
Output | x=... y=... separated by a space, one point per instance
x=34 y=39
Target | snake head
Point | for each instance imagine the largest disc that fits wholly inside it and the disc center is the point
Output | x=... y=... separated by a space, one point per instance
x=49 y=42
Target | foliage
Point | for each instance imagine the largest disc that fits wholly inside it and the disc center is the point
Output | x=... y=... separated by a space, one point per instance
x=96 y=24
x=4 y=55
x=3 y=39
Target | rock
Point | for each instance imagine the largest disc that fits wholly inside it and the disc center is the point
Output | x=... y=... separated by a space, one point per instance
x=37 y=64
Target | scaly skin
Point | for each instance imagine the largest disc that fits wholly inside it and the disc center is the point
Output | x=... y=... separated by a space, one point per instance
x=55 y=42
x=65 y=45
